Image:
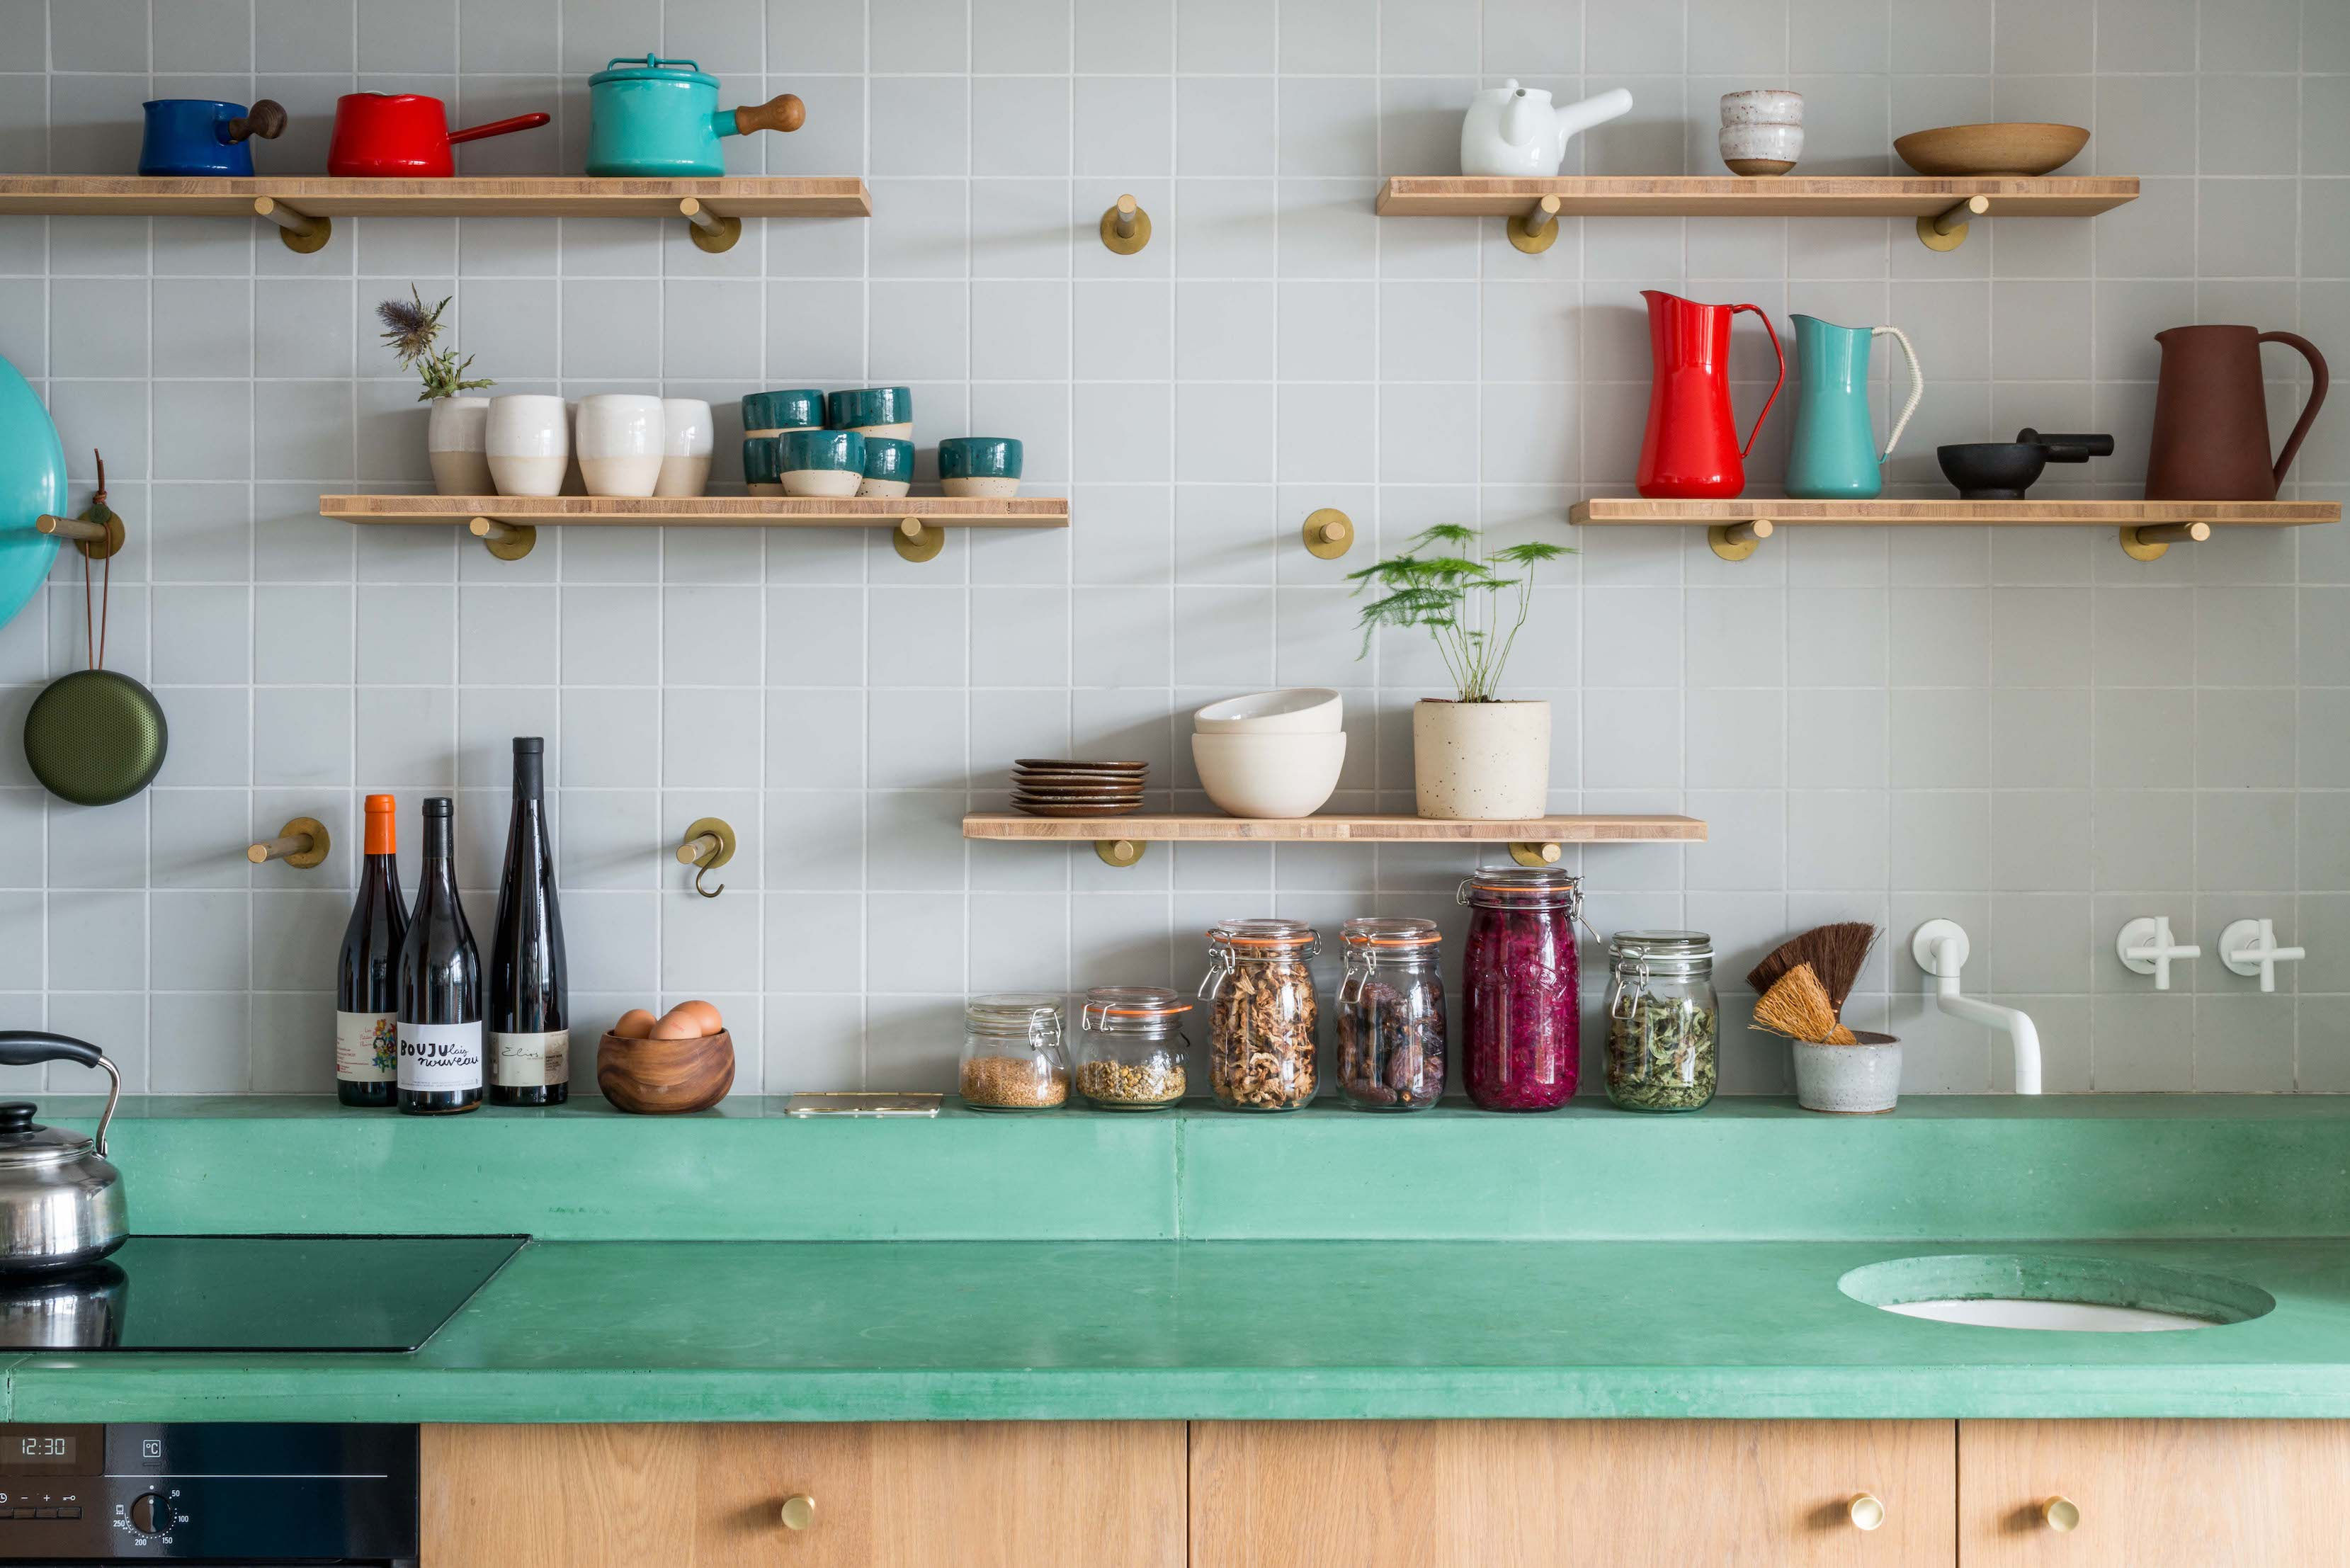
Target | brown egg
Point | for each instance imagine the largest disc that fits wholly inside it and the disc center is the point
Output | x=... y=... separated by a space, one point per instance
x=703 y=1014
x=677 y=1024
x=634 y=1024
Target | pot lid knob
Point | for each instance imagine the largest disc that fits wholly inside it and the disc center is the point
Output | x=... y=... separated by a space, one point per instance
x=17 y=1117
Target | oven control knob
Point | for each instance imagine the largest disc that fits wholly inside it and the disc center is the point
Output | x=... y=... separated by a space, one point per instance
x=149 y=1515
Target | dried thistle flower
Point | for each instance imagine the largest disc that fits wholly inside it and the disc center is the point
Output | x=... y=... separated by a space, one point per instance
x=412 y=330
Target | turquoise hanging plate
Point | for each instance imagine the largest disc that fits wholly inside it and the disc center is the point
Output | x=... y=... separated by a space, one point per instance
x=32 y=481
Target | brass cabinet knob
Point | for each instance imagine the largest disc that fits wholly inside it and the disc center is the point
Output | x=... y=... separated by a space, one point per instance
x=2061 y=1514
x=1868 y=1510
x=799 y=1510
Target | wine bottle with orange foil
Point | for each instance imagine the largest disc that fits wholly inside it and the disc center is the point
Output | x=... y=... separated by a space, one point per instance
x=367 y=976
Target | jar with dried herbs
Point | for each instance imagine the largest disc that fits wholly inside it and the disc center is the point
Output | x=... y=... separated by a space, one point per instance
x=1012 y=1056
x=1130 y=1047
x=1519 y=969
x=1390 y=1014
x=1263 y=1018
x=1663 y=1021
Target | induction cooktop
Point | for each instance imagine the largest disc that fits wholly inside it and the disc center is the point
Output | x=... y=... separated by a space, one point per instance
x=256 y=1294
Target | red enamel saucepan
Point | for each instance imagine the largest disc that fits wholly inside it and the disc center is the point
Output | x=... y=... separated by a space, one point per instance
x=403 y=135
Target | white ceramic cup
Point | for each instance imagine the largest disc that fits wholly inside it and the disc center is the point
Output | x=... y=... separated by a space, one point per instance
x=1760 y=141
x=1763 y=106
x=689 y=436
x=528 y=442
x=620 y=438
x=453 y=437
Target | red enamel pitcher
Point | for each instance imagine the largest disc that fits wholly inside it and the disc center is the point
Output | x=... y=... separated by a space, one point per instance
x=1691 y=447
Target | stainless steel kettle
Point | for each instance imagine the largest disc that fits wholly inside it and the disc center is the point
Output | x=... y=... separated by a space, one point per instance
x=61 y=1203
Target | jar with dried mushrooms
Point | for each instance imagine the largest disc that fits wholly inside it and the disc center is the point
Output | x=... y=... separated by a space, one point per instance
x=1263 y=1019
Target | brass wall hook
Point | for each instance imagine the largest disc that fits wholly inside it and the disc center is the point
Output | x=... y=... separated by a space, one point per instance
x=1536 y=230
x=916 y=540
x=1125 y=226
x=713 y=231
x=709 y=844
x=1328 y=532
x=506 y=541
x=2151 y=541
x=1947 y=231
x=98 y=532
x=302 y=231
x=303 y=843
x=1119 y=852
x=1736 y=541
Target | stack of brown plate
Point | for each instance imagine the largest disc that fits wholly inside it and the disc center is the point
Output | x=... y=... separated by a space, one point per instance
x=1052 y=787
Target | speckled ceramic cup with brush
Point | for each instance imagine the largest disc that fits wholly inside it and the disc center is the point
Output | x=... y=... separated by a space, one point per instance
x=1863 y=1079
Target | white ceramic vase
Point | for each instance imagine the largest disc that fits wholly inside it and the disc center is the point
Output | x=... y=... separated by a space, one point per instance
x=1480 y=761
x=528 y=441
x=455 y=435
x=618 y=437
x=688 y=438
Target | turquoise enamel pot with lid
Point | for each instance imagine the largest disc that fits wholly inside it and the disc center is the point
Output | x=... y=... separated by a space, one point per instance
x=659 y=119
x=32 y=481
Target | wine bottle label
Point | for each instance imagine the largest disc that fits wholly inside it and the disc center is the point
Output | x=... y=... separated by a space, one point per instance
x=437 y=1057
x=531 y=1061
x=366 y=1047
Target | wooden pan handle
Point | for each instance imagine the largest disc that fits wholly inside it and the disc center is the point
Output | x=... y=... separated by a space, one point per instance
x=785 y=111
x=266 y=118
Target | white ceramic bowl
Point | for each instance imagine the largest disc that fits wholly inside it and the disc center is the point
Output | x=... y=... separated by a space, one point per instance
x=1269 y=776
x=1302 y=709
x=1770 y=143
x=1763 y=106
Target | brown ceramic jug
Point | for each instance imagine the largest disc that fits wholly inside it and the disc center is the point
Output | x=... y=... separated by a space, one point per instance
x=2212 y=415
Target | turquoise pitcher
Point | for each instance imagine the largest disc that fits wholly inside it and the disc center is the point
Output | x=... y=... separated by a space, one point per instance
x=1835 y=455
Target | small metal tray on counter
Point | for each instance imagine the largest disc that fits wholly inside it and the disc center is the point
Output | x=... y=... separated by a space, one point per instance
x=865 y=1103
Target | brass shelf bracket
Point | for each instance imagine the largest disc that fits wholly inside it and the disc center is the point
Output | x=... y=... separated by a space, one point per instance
x=1328 y=534
x=302 y=231
x=1736 y=541
x=1947 y=231
x=2152 y=541
x=507 y=541
x=303 y=843
x=1125 y=226
x=709 y=844
x=1119 y=852
x=1536 y=230
x=1536 y=855
x=916 y=540
x=713 y=231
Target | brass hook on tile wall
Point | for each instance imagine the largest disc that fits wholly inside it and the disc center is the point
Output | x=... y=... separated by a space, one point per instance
x=2150 y=541
x=713 y=231
x=709 y=844
x=301 y=231
x=507 y=541
x=1536 y=230
x=917 y=540
x=1736 y=541
x=303 y=843
x=1125 y=226
x=1947 y=231
x=1119 y=852
x=1328 y=532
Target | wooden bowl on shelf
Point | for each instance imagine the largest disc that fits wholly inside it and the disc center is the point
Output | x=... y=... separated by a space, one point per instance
x=665 y=1077
x=2019 y=147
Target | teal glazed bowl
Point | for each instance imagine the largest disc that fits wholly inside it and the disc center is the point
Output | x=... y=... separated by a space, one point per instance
x=822 y=462
x=763 y=465
x=886 y=411
x=772 y=413
x=889 y=467
x=979 y=465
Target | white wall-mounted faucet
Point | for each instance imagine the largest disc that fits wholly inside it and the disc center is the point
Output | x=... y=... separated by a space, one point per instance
x=1940 y=947
x=2147 y=947
x=2249 y=947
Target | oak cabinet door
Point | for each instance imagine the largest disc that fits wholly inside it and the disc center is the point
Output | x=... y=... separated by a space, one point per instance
x=2154 y=1494
x=1567 y=1494
x=1011 y=1493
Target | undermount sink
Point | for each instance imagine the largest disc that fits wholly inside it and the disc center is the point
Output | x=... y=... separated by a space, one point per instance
x=2080 y=1295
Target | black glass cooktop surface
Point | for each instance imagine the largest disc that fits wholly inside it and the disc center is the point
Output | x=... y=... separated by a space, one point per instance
x=254 y=1293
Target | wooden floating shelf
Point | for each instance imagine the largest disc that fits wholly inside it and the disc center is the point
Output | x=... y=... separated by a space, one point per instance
x=2146 y=528
x=1212 y=827
x=1732 y=196
x=136 y=196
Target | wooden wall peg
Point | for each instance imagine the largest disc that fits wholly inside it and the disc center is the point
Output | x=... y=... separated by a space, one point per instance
x=1536 y=230
x=1125 y=226
x=303 y=231
x=2150 y=541
x=1947 y=231
x=1736 y=541
x=303 y=843
x=507 y=541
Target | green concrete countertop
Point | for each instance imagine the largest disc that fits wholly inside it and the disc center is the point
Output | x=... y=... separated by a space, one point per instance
x=1122 y=1329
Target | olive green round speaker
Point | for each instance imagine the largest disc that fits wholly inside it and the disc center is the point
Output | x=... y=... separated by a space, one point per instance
x=95 y=737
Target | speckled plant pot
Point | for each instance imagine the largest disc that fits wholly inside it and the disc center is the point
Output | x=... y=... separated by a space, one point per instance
x=1480 y=761
x=1861 y=1080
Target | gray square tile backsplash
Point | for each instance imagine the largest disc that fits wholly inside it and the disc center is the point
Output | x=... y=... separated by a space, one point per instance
x=2028 y=731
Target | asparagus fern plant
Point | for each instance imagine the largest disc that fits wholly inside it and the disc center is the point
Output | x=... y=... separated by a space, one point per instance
x=412 y=328
x=1431 y=586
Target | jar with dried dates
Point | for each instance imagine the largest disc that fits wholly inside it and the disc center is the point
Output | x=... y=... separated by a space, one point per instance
x=1390 y=1014
x=1012 y=1057
x=1520 y=1006
x=1263 y=1019
x=1130 y=1047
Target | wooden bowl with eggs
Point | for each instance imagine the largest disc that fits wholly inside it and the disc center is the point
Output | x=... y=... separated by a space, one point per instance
x=683 y=1061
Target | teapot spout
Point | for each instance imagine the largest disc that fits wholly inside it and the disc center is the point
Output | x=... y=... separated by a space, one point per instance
x=1521 y=118
x=1596 y=110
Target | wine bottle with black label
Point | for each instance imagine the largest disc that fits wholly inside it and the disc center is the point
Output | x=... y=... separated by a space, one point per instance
x=366 y=977
x=439 y=986
x=530 y=1038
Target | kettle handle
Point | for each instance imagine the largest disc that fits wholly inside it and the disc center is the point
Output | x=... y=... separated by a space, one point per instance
x=23 y=1047
x=1917 y=386
x=1766 y=317
x=2320 y=378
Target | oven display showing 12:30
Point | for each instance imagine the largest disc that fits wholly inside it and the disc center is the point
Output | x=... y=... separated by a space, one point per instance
x=40 y=1450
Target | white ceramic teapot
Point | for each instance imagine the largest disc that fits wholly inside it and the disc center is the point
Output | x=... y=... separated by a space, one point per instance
x=1511 y=129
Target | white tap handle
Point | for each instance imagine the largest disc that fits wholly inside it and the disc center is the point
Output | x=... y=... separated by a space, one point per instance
x=2249 y=947
x=2145 y=947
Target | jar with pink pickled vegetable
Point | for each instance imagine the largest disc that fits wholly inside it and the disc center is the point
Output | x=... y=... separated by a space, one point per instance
x=1521 y=1011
